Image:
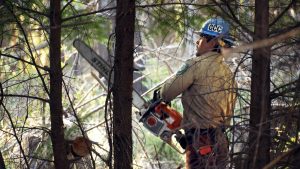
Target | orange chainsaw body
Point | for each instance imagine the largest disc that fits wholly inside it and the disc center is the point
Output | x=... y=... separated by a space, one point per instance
x=169 y=115
x=161 y=120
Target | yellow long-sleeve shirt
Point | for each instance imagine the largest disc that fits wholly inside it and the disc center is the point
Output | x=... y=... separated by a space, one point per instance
x=208 y=91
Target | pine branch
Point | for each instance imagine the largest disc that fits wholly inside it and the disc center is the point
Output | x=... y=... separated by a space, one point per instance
x=16 y=136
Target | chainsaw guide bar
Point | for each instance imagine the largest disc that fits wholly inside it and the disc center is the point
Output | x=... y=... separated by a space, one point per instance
x=157 y=117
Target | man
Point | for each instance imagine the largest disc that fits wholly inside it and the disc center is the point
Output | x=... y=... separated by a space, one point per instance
x=207 y=86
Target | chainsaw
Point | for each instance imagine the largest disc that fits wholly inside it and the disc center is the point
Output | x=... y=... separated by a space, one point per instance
x=157 y=116
x=161 y=120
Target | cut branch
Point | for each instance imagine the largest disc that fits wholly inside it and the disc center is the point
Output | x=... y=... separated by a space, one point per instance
x=262 y=43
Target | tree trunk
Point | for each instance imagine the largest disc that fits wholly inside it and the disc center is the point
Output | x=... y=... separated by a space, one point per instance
x=2 y=164
x=57 y=130
x=122 y=87
x=259 y=142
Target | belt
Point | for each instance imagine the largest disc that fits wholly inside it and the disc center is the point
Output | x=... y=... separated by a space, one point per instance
x=188 y=137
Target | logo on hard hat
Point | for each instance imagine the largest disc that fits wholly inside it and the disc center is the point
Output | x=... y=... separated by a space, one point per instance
x=215 y=28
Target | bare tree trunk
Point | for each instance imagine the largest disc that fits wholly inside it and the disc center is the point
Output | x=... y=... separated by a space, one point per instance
x=260 y=92
x=57 y=130
x=296 y=155
x=2 y=164
x=122 y=87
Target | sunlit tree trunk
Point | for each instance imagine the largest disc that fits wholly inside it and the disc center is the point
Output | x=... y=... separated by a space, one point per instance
x=57 y=130
x=259 y=142
x=122 y=88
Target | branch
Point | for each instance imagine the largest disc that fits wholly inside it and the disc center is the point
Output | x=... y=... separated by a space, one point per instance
x=100 y=156
x=44 y=129
x=106 y=109
x=23 y=81
x=98 y=125
x=22 y=60
x=15 y=135
x=282 y=156
x=87 y=14
x=284 y=29
x=77 y=119
x=64 y=7
x=137 y=6
x=173 y=3
x=28 y=45
x=282 y=13
x=233 y=17
x=273 y=95
x=31 y=11
x=1 y=93
x=143 y=147
x=77 y=24
x=40 y=158
x=26 y=96
x=263 y=43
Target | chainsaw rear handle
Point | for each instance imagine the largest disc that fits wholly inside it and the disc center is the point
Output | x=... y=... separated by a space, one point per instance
x=153 y=103
x=157 y=96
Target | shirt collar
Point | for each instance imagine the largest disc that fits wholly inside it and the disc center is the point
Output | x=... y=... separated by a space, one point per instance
x=212 y=55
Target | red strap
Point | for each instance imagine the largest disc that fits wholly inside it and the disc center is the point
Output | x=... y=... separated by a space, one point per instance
x=205 y=150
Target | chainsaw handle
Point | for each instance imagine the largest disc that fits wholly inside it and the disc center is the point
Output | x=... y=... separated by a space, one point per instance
x=153 y=103
x=156 y=95
x=149 y=109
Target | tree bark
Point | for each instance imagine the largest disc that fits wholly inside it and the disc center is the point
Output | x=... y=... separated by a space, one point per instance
x=2 y=164
x=122 y=87
x=57 y=130
x=259 y=138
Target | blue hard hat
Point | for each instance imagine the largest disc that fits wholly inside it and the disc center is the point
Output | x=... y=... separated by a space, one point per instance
x=217 y=27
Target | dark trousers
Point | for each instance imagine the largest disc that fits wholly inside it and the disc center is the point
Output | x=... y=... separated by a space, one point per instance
x=206 y=149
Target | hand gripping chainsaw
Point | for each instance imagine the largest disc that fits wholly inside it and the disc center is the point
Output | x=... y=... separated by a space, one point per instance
x=157 y=117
